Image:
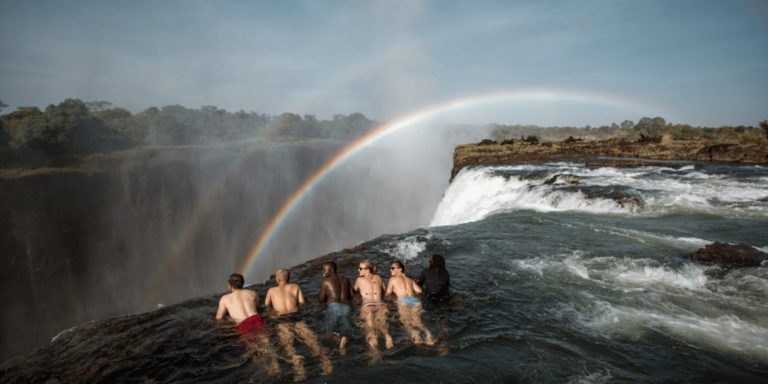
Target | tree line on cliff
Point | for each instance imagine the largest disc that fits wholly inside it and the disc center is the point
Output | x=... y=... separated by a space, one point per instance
x=77 y=127
x=646 y=127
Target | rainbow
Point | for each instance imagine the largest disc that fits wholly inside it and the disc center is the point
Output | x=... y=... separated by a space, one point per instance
x=411 y=119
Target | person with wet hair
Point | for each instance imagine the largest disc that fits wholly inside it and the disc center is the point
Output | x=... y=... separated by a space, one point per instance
x=241 y=304
x=435 y=280
x=336 y=293
x=283 y=301
x=408 y=303
x=374 y=310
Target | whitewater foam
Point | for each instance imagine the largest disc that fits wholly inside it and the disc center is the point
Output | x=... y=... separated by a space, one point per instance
x=726 y=333
x=406 y=249
x=477 y=193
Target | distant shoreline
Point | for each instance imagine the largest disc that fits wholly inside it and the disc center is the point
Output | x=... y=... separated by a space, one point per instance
x=611 y=152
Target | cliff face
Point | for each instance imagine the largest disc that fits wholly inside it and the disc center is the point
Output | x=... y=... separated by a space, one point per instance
x=508 y=152
x=122 y=232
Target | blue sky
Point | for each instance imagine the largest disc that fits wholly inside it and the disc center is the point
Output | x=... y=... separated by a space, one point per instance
x=699 y=62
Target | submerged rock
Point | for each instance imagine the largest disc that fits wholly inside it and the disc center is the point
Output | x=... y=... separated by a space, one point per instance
x=734 y=255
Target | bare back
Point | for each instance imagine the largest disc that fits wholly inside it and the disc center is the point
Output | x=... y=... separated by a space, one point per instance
x=240 y=305
x=335 y=289
x=284 y=298
x=403 y=286
x=370 y=288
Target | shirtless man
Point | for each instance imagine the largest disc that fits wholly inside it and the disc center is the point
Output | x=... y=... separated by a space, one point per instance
x=374 y=310
x=408 y=304
x=335 y=291
x=241 y=306
x=283 y=301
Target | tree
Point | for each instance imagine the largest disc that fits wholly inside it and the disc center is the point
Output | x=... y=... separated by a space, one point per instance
x=97 y=106
x=764 y=126
x=2 y=105
x=67 y=127
x=627 y=124
x=650 y=126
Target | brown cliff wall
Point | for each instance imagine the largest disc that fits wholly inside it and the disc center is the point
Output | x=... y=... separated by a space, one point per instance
x=629 y=152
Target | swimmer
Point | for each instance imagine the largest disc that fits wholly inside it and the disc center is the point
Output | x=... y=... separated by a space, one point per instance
x=336 y=292
x=408 y=303
x=374 y=310
x=240 y=304
x=283 y=301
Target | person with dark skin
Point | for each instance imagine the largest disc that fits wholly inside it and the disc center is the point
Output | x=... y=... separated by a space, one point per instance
x=336 y=292
x=435 y=280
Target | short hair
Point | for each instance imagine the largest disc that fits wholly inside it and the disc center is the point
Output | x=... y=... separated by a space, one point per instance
x=331 y=264
x=399 y=264
x=283 y=274
x=236 y=280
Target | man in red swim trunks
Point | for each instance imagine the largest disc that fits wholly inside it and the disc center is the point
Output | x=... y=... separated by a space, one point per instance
x=241 y=306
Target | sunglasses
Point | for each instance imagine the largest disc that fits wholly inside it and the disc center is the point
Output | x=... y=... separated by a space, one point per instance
x=361 y=268
x=394 y=267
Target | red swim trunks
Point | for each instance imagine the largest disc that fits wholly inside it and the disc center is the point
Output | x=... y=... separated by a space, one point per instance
x=251 y=325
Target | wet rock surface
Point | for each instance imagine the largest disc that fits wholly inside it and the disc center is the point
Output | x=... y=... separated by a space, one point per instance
x=732 y=255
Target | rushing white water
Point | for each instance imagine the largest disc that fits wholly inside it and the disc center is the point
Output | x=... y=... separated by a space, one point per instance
x=477 y=193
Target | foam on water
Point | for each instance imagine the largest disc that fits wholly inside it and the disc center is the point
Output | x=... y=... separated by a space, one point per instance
x=406 y=249
x=477 y=193
x=727 y=333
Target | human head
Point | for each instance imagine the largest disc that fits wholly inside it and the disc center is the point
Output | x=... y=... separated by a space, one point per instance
x=366 y=268
x=283 y=275
x=397 y=268
x=236 y=281
x=437 y=262
x=329 y=268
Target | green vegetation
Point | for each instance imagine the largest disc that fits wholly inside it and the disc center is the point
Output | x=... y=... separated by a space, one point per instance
x=74 y=127
x=647 y=127
x=77 y=127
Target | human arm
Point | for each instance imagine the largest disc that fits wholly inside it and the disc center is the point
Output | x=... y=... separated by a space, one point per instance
x=416 y=288
x=268 y=299
x=222 y=310
x=422 y=278
x=299 y=296
x=390 y=287
x=323 y=297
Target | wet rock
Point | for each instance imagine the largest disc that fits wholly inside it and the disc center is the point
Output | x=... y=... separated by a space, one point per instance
x=535 y=175
x=626 y=163
x=733 y=255
x=563 y=179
